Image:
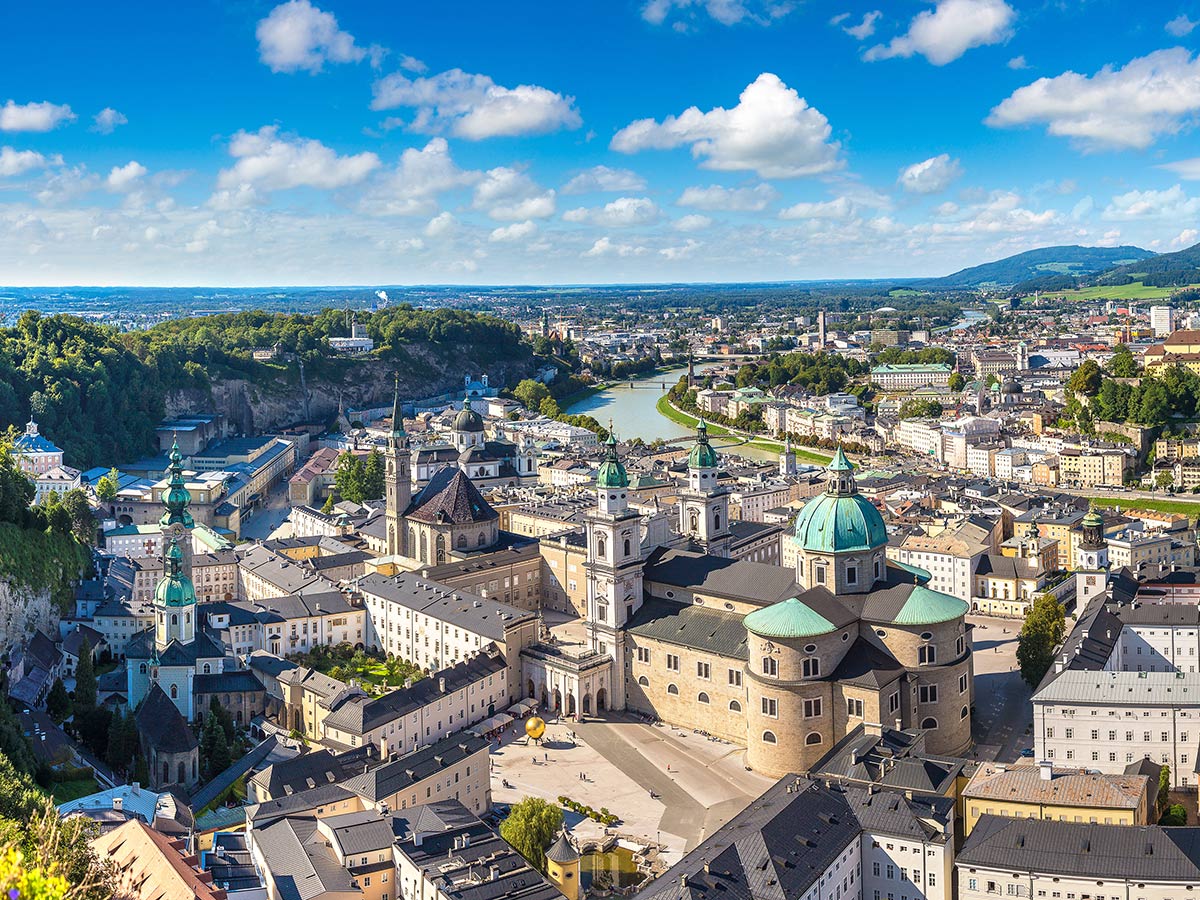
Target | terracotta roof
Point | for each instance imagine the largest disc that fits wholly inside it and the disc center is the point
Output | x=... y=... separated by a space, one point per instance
x=151 y=866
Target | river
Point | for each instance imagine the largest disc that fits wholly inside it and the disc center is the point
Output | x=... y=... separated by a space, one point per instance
x=633 y=413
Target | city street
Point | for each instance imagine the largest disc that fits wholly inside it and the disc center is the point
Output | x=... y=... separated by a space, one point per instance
x=267 y=521
x=1003 y=714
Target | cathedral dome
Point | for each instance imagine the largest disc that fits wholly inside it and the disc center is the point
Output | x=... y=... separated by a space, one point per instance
x=840 y=520
x=788 y=619
x=703 y=456
x=467 y=419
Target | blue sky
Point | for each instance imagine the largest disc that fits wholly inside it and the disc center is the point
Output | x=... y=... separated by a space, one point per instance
x=334 y=142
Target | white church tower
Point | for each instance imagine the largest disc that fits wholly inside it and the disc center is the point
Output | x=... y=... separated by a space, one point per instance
x=703 y=505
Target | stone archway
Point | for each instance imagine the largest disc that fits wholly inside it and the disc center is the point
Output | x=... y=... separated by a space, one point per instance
x=545 y=699
x=601 y=699
x=587 y=704
x=532 y=692
x=570 y=704
x=558 y=700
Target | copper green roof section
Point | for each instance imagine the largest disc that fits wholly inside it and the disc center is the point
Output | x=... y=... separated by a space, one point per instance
x=175 y=588
x=832 y=523
x=176 y=497
x=840 y=463
x=611 y=473
x=929 y=607
x=787 y=619
x=703 y=456
x=1092 y=520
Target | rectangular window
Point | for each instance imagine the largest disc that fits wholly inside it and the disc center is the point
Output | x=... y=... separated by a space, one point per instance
x=643 y=654
x=735 y=677
x=812 y=708
x=770 y=666
x=927 y=693
x=770 y=707
x=854 y=707
x=672 y=662
x=703 y=670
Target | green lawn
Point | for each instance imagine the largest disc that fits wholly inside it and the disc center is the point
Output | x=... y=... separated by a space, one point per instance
x=1183 y=507
x=66 y=791
x=1134 y=291
x=372 y=673
x=665 y=408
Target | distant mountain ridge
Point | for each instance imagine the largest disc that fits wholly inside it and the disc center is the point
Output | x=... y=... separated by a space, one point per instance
x=1165 y=270
x=1032 y=265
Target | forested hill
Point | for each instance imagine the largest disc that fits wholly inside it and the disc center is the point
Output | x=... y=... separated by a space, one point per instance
x=1033 y=264
x=99 y=393
x=1165 y=270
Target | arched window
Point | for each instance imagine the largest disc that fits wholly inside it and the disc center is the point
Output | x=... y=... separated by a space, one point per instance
x=174 y=692
x=482 y=539
x=627 y=546
x=424 y=547
x=672 y=689
x=174 y=619
x=929 y=722
x=601 y=547
x=693 y=521
x=462 y=542
x=207 y=669
x=734 y=706
x=716 y=520
x=441 y=549
x=166 y=769
x=811 y=667
x=962 y=713
x=813 y=737
x=643 y=681
x=412 y=540
x=142 y=669
x=702 y=697
x=182 y=769
x=769 y=737
x=187 y=618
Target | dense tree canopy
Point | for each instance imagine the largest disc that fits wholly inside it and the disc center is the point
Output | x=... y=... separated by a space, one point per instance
x=530 y=827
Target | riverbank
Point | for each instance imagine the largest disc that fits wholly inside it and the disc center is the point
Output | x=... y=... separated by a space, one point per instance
x=666 y=408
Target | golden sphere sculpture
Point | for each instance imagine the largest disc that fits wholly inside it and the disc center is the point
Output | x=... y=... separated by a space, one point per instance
x=535 y=727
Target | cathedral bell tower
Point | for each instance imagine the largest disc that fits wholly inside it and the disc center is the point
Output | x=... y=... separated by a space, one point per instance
x=397 y=480
x=176 y=522
x=614 y=566
x=1091 y=560
x=703 y=505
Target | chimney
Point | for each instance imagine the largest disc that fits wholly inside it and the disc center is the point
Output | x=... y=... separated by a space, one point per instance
x=118 y=803
x=442 y=684
x=1047 y=770
x=137 y=786
x=683 y=880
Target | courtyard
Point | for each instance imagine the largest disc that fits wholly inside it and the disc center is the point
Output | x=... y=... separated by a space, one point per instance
x=1003 y=713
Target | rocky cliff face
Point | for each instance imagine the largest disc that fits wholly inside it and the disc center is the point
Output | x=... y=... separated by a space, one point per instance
x=279 y=400
x=23 y=609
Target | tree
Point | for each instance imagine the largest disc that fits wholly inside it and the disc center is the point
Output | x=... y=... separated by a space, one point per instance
x=1042 y=631
x=1164 y=788
x=119 y=752
x=531 y=393
x=224 y=718
x=85 y=678
x=372 y=478
x=549 y=408
x=1122 y=364
x=83 y=521
x=1086 y=379
x=920 y=409
x=957 y=382
x=327 y=508
x=1175 y=816
x=58 y=701
x=1164 y=479
x=214 y=746
x=349 y=477
x=530 y=827
x=106 y=486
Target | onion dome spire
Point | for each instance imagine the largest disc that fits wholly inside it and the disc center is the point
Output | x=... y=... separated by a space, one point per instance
x=176 y=497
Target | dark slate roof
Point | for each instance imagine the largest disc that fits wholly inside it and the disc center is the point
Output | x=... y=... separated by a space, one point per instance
x=385 y=780
x=238 y=680
x=736 y=579
x=867 y=665
x=300 y=866
x=310 y=770
x=42 y=651
x=1135 y=852
x=486 y=617
x=450 y=497
x=74 y=641
x=1008 y=566
x=702 y=628
x=361 y=832
x=891 y=759
x=360 y=714
x=216 y=787
x=281 y=807
x=162 y=725
x=141 y=646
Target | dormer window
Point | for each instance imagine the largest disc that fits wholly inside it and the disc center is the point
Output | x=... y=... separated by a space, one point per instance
x=819 y=573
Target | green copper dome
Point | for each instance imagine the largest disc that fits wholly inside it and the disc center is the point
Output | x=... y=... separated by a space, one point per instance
x=175 y=588
x=1092 y=520
x=703 y=456
x=467 y=419
x=176 y=497
x=841 y=519
x=611 y=473
x=925 y=606
x=788 y=619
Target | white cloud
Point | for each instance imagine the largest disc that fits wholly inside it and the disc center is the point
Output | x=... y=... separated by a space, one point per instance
x=33 y=116
x=107 y=120
x=297 y=36
x=1187 y=169
x=689 y=247
x=1017 y=63
x=603 y=178
x=412 y=187
x=509 y=195
x=838 y=208
x=1181 y=26
x=727 y=12
x=122 y=178
x=772 y=131
x=932 y=176
x=949 y=30
x=1128 y=107
x=623 y=212
x=474 y=106
x=518 y=231
x=863 y=29
x=241 y=197
x=693 y=222
x=441 y=225
x=271 y=162
x=605 y=247
x=716 y=197
x=18 y=162
x=1171 y=204
x=1185 y=238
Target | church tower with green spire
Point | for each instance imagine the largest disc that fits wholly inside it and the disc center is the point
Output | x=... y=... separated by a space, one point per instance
x=176 y=521
x=704 y=504
x=397 y=479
